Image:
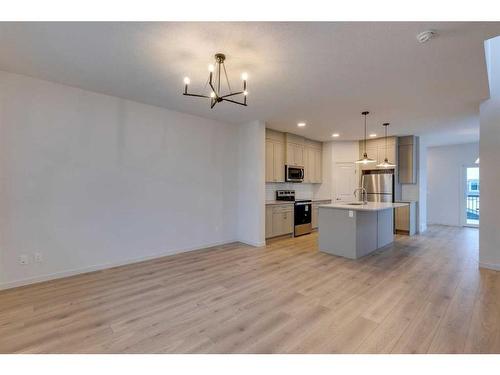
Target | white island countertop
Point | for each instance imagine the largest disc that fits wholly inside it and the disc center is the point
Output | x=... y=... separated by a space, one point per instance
x=370 y=206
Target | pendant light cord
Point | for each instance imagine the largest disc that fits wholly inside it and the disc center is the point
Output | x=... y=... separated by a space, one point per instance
x=365 y=133
x=385 y=126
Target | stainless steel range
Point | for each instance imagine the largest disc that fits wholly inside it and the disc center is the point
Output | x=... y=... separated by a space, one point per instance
x=302 y=217
x=302 y=211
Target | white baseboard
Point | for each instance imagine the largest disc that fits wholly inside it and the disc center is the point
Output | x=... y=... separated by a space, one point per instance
x=254 y=244
x=490 y=266
x=98 y=267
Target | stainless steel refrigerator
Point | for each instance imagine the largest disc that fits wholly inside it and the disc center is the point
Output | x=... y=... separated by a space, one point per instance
x=379 y=185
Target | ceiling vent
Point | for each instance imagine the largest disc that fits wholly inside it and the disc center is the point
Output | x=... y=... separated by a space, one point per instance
x=426 y=35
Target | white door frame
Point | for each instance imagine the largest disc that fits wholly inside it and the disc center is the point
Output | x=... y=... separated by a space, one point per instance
x=463 y=195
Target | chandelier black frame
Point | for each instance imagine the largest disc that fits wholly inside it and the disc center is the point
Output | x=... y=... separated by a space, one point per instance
x=216 y=95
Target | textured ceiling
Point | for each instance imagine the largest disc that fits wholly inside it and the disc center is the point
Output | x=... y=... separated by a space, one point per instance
x=322 y=73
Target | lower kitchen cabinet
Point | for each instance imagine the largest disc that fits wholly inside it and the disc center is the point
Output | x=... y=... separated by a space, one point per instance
x=405 y=219
x=279 y=220
x=315 y=212
x=314 y=217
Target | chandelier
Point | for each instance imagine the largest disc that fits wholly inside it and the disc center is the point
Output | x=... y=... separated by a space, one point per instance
x=214 y=81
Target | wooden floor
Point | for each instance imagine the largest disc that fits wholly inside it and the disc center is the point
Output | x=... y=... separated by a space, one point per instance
x=423 y=294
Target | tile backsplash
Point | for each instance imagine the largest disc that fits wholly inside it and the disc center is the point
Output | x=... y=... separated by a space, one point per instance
x=302 y=191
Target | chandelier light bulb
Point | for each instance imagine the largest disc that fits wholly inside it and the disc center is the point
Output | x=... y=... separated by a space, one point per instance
x=212 y=94
x=245 y=92
x=211 y=68
x=244 y=76
x=187 y=81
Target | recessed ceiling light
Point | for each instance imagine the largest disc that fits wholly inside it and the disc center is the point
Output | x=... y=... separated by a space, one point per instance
x=335 y=135
x=373 y=135
x=301 y=124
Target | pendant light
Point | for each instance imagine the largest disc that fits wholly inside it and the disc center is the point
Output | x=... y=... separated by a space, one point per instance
x=386 y=163
x=365 y=159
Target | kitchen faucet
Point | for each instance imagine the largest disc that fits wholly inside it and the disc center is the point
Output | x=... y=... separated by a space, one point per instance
x=364 y=194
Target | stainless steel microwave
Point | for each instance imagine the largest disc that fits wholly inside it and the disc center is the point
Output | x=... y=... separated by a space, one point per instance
x=294 y=173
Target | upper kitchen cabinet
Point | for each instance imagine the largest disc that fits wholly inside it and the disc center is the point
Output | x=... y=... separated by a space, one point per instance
x=390 y=151
x=407 y=155
x=313 y=162
x=295 y=150
x=290 y=149
x=376 y=149
x=275 y=156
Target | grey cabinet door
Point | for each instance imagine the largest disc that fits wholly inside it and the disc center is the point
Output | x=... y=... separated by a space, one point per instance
x=407 y=170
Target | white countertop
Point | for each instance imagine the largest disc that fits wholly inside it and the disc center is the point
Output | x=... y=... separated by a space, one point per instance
x=292 y=202
x=370 y=206
x=279 y=202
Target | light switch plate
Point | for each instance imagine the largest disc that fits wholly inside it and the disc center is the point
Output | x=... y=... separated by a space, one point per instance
x=351 y=213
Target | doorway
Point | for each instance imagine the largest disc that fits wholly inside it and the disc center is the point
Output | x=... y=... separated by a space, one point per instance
x=471 y=212
x=345 y=182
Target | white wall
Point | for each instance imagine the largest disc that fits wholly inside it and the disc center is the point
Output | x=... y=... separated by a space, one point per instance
x=445 y=194
x=492 y=58
x=251 y=182
x=345 y=152
x=489 y=233
x=91 y=180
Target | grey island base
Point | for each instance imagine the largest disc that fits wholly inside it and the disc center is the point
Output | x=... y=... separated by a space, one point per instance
x=355 y=230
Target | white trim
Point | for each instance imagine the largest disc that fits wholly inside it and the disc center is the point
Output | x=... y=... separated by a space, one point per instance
x=253 y=243
x=455 y=225
x=490 y=266
x=98 y=267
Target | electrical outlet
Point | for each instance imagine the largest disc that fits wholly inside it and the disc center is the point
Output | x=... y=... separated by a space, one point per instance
x=38 y=257
x=23 y=259
x=351 y=213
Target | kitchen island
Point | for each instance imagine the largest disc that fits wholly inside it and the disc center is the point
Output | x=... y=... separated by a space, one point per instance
x=353 y=230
